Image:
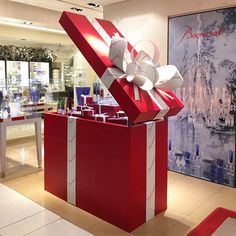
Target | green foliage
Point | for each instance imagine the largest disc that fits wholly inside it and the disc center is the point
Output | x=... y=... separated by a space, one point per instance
x=14 y=53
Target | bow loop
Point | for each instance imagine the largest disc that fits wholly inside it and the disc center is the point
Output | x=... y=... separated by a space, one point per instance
x=143 y=56
x=170 y=78
x=143 y=70
x=118 y=53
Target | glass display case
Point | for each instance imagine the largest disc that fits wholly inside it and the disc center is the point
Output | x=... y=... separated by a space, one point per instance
x=56 y=78
x=68 y=71
x=2 y=75
x=17 y=74
x=39 y=74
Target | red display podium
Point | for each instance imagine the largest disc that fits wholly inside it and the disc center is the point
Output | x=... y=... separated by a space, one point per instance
x=117 y=173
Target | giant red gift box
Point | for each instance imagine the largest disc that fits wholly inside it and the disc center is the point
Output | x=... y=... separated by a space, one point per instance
x=85 y=33
x=115 y=172
x=112 y=167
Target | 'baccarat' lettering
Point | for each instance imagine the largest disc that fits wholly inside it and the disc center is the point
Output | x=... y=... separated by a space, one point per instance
x=188 y=34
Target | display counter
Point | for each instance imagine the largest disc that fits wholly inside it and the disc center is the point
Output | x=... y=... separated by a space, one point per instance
x=21 y=119
x=38 y=107
x=115 y=172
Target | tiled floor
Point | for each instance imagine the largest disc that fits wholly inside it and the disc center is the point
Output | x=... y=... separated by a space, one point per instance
x=20 y=216
x=189 y=199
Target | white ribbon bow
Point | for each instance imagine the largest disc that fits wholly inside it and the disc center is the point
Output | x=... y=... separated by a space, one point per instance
x=143 y=70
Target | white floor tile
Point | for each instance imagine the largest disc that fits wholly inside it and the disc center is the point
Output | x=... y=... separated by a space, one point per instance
x=20 y=216
x=15 y=207
x=60 y=228
x=29 y=224
x=227 y=228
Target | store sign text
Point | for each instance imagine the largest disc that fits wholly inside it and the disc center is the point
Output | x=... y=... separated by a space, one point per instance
x=188 y=34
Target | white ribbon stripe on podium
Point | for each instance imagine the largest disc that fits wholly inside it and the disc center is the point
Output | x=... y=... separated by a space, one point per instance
x=71 y=160
x=150 y=169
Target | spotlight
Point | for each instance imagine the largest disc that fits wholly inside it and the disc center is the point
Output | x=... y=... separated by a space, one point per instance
x=27 y=23
x=76 y=9
x=93 y=4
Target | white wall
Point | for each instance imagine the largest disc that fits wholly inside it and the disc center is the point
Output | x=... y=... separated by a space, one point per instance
x=41 y=16
x=9 y=33
x=148 y=19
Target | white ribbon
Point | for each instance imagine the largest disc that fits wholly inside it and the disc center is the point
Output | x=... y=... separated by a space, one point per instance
x=71 y=160
x=150 y=169
x=103 y=116
x=84 y=97
x=99 y=109
x=142 y=70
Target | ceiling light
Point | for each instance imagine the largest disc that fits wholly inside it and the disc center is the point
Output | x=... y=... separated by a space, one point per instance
x=27 y=23
x=93 y=4
x=76 y=9
x=20 y=25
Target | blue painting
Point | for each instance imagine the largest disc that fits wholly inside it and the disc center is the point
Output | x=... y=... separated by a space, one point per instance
x=202 y=135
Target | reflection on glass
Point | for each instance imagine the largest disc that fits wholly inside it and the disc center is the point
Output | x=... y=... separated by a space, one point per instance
x=2 y=74
x=39 y=73
x=17 y=73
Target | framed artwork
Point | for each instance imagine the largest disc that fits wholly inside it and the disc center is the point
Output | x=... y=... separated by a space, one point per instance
x=202 y=136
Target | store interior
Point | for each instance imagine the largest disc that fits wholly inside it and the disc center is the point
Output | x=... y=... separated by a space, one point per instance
x=42 y=71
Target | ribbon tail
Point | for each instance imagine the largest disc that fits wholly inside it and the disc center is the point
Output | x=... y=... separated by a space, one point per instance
x=160 y=103
x=165 y=94
x=136 y=93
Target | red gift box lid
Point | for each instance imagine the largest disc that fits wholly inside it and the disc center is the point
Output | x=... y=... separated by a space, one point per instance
x=89 y=35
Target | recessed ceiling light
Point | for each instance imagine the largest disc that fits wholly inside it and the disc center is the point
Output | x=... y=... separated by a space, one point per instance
x=2 y=22
x=28 y=23
x=76 y=9
x=93 y=4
